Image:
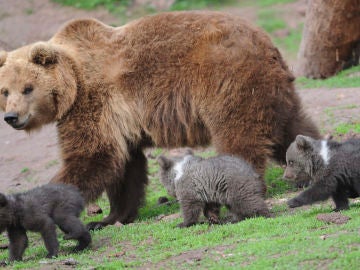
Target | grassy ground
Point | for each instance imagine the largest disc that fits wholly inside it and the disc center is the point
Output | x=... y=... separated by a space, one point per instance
x=346 y=78
x=293 y=240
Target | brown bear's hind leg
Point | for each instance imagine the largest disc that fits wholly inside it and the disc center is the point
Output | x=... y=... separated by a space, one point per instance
x=127 y=193
x=132 y=193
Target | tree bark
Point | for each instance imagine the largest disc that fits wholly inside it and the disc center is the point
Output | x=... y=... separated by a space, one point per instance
x=331 y=38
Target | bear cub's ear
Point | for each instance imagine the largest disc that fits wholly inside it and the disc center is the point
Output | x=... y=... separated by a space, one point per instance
x=164 y=162
x=3 y=56
x=43 y=54
x=3 y=200
x=303 y=142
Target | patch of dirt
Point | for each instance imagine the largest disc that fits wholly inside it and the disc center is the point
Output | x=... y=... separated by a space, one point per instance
x=334 y=217
x=192 y=257
x=330 y=107
x=319 y=264
x=24 y=22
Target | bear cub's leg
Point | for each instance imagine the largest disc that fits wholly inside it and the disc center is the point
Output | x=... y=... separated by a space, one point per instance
x=212 y=212
x=18 y=243
x=241 y=208
x=341 y=201
x=191 y=211
x=48 y=233
x=317 y=192
x=74 y=229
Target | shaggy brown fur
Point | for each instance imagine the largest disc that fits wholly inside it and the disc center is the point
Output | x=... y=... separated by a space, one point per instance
x=206 y=184
x=170 y=80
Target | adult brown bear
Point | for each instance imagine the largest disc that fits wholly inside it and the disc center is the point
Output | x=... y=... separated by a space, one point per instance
x=170 y=80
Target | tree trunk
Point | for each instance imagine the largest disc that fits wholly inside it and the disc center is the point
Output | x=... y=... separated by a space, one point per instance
x=331 y=38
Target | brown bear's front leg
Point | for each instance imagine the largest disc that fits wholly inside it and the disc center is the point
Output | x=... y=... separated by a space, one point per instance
x=90 y=174
x=127 y=193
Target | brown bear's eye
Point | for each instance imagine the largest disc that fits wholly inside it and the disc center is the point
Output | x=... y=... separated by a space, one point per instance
x=291 y=162
x=28 y=89
x=5 y=93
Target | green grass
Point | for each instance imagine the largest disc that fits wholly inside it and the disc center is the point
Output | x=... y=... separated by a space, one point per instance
x=25 y=170
x=344 y=79
x=257 y=243
x=291 y=42
x=91 y=4
x=286 y=242
x=276 y=186
x=270 y=21
x=289 y=241
x=199 y=4
x=115 y=6
x=268 y=3
x=345 y=128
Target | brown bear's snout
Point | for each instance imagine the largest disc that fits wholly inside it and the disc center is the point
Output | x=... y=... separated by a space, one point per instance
x=11 y=118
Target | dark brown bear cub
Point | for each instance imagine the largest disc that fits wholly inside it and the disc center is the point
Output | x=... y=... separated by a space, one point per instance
x=333 y=168
x=206 y=184
x=40 y=210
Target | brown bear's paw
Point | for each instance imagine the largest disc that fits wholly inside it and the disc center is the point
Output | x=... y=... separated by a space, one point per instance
x=341 y=208
x=51 y=256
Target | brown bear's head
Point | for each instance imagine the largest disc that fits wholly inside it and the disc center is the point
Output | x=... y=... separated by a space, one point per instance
x=37 y=85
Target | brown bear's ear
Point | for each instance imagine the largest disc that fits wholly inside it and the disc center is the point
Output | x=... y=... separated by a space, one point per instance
x=3 y=200
x=3 y=56
x=43 y=54
x=164 y=162
x=303 y=142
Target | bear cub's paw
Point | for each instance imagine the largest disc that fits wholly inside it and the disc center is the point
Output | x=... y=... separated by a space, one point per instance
x=294 y=202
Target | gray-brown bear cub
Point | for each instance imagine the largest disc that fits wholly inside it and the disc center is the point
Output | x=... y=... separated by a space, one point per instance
x=332 y=167
x=205 y=184
x=40 y=210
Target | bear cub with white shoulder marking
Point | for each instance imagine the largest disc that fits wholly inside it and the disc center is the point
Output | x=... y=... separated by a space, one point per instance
x=205 y=184
x=333 y=167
